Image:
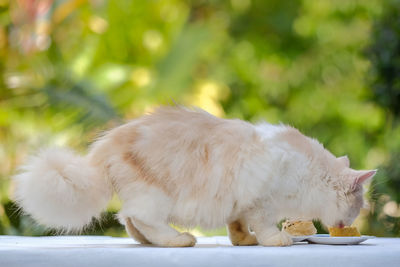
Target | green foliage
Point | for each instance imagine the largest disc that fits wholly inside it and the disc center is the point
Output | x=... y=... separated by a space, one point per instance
x=83 y=66
x=384 y=54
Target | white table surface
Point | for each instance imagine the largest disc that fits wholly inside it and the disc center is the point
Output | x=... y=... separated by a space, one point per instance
x=210 y=251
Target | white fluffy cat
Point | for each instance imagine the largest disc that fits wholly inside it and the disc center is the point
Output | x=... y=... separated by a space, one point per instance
x=190 y=168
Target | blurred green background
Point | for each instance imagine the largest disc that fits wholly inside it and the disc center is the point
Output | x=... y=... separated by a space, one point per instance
x=72 y=68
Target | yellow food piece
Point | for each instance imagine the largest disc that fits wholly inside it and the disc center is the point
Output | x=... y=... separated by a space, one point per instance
x=345 y=231
x=299 y=228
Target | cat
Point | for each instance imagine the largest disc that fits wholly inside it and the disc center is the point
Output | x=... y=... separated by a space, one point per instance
x=187 y=167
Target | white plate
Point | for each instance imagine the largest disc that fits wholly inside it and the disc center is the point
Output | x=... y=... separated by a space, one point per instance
x=299 y=238
x=338 y=240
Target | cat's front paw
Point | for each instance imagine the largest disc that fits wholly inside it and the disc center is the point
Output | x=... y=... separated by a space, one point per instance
x=279 y=239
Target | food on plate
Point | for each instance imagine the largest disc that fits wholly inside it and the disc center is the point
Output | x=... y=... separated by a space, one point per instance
x=344 y=231
x=299 y=228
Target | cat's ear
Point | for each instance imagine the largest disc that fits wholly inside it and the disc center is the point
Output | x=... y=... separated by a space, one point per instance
x=345 y=160
x=359 y=177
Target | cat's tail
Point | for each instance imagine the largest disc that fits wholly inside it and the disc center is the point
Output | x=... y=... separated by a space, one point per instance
x=62 y=190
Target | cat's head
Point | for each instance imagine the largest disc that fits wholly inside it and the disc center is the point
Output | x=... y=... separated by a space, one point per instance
x=334 y=192
x=347 y=187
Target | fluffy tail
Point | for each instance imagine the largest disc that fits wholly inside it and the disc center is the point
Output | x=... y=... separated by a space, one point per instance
x=62 y=190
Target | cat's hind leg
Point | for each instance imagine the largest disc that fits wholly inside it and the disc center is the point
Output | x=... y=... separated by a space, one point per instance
x=240 y=235
x=163 y=235
x=148 y=209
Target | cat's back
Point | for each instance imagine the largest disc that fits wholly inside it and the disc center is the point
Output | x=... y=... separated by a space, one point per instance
x=173 y=123
x=191 y=145
x=180 y=118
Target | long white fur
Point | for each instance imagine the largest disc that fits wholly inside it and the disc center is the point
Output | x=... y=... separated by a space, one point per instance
x=191 y=168
x=61 y=190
